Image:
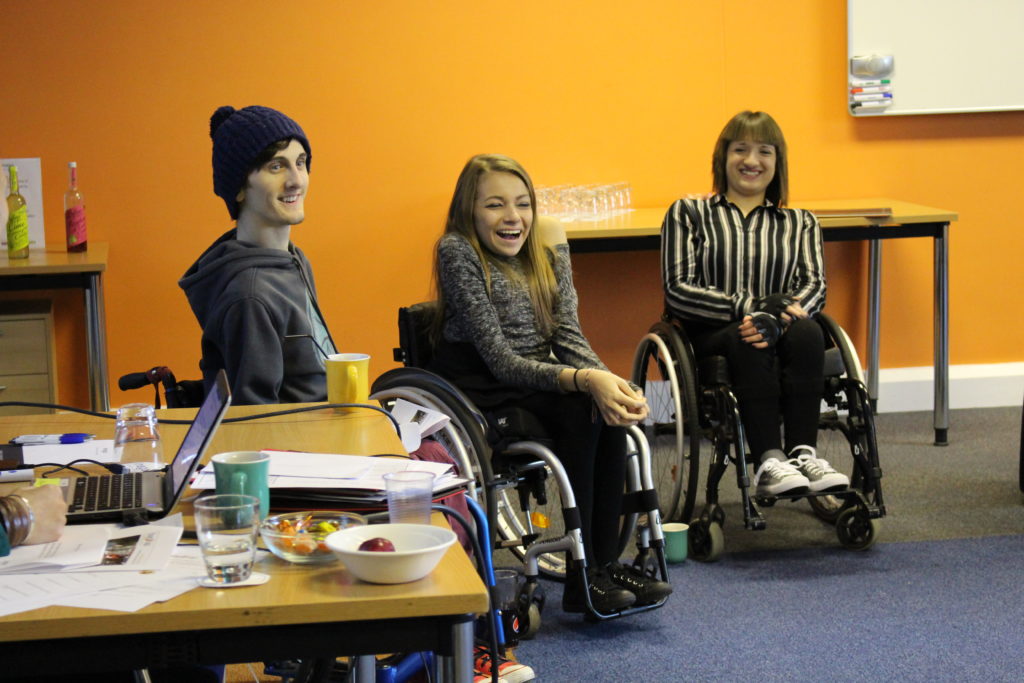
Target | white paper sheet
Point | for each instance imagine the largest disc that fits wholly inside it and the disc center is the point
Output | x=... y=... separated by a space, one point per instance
x=78 y=546
x=100 y=450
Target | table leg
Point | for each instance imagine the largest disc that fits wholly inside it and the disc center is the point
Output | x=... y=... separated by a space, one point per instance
x=96 y=343
x=941 y=335
x=459 y=667
x=364 y=669
x=874 y=316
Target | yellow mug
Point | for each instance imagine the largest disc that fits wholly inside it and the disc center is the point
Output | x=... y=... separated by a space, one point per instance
x=348 y=378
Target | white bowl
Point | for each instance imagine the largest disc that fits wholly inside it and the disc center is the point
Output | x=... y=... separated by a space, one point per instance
x=418 y=549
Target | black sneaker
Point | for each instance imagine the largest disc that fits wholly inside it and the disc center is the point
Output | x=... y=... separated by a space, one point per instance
x=605 y=596
x=647 y=590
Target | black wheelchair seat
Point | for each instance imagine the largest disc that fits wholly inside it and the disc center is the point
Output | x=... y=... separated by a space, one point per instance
x=714 y=370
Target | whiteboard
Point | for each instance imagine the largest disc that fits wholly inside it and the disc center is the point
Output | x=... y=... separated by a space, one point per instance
x=949 y=56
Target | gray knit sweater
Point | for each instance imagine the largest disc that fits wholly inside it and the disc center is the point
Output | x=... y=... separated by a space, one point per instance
x=502 y=326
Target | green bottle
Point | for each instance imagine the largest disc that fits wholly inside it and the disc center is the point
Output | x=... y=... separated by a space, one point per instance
x=17 y=221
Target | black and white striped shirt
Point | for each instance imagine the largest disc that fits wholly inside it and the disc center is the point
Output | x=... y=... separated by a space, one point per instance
x=715 y=262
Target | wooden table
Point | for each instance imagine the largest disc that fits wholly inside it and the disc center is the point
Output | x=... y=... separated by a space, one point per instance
x=54 y=267
x=641 y=229
x=301 y=613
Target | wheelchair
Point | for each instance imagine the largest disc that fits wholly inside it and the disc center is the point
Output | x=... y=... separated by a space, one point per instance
x=519 y=481
x=186 y=393
x=693 y=406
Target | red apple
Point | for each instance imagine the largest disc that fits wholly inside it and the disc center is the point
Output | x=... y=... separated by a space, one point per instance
x=378 y=545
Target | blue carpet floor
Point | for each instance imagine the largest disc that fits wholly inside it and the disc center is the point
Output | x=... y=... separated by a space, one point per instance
x=947 y=610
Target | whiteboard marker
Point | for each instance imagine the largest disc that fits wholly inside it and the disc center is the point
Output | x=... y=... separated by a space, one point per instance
x=858 y=84
x=880 y=104
x=867 y=97
x=878 y=88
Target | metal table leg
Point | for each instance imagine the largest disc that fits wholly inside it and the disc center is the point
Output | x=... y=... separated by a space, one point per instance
x=96 y=343
x=458 y=668
x=874 y=316
x=941 y=335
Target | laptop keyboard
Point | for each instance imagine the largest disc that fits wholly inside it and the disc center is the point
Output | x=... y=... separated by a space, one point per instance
x=107 y=492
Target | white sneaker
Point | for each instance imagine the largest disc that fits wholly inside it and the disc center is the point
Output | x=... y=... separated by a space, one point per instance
x=821 y=475
x=776 y=478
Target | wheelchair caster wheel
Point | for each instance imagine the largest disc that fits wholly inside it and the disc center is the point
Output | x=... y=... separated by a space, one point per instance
x=532 y=624
x=856 y=529
x=826 y=508
x=529 y=604
x=706 y=541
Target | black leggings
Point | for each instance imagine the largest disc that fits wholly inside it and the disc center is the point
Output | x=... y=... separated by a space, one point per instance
x=784 y=382
x=594 y=457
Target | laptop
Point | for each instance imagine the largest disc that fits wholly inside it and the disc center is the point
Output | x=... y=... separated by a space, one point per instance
x=138 y=497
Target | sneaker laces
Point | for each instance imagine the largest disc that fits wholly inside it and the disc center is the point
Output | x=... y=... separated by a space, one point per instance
x=773 y=467
x=813 y=465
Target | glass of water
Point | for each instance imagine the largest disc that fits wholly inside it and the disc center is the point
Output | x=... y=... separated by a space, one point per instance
x=226 y=525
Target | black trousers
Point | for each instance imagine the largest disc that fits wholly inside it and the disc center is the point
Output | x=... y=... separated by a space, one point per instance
x=779 y=384
x=594 y=457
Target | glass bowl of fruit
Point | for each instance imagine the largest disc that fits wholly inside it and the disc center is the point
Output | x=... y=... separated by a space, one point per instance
x=391 y=553
x=300 y=536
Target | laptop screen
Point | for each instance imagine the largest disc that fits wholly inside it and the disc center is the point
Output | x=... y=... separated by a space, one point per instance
x=199 y=434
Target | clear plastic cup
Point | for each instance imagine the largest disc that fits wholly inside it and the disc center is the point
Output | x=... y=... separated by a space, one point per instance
x=409 y=497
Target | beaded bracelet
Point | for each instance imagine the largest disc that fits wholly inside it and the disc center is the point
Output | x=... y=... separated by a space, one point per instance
x=586 y=382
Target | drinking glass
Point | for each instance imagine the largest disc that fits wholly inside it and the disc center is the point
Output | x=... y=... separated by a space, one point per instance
x=136 y=438
x=226 y=526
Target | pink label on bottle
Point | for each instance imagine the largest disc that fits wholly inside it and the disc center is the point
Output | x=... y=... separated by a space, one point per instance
x=74 y=222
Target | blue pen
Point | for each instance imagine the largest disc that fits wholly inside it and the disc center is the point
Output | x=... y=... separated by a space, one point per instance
x=41 y=439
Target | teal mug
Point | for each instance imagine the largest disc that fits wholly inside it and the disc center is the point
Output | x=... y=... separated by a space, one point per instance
x=246 y=473
x=676 y=541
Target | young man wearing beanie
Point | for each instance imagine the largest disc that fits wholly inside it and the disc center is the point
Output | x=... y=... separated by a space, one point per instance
x=252 y=290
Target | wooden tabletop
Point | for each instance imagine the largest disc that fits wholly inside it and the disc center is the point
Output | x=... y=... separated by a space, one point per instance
x=647 y=222
x=295 y=593
x=55 y=258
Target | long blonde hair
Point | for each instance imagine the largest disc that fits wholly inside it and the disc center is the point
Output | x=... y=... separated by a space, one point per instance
x=534 y=257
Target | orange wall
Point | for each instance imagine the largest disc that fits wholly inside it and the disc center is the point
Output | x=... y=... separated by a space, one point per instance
x=395 y=95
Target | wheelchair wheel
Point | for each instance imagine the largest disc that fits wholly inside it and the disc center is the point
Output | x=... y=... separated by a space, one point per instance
x=846 y=436
x=662 y=366
x=706 y=540
x=544 y=519
x=464 y=438
x=856 y=529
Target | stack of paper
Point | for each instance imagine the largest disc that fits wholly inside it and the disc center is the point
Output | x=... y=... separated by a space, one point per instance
x=328 y=477
x=99 y=567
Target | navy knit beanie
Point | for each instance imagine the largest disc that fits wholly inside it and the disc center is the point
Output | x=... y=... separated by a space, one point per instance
x=239 y=135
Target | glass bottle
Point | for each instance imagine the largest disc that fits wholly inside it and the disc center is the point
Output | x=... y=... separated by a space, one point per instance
x=17 y=221
x=74 y=212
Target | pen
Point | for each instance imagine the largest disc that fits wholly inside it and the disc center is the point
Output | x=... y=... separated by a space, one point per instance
x=858 y=84
x=40 y=439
